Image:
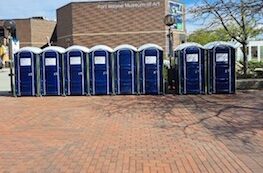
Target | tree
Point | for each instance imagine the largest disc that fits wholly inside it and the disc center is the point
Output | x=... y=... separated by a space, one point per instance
x=204 y=36
x=241 y=19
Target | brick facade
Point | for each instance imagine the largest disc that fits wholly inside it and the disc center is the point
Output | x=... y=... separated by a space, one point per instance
x=113 y=23
x=33 y=32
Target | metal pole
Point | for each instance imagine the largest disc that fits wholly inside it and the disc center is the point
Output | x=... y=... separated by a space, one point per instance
x=170 y=36
x=138 y=72
x=112 y=56
x=11 y=63
x=169 y=47
x=88 y=73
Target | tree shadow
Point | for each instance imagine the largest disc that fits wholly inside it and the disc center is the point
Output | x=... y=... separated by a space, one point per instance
x=237 y=119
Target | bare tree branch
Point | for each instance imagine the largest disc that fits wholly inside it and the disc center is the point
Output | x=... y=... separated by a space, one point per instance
x=241 y=19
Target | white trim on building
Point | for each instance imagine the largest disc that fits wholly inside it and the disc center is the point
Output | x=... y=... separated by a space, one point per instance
x=255 y=51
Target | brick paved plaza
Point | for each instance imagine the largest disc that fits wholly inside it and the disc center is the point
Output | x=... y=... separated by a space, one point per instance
x=218 y=133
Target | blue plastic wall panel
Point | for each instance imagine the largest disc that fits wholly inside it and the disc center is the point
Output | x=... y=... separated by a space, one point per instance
x=100 y=72
x=125 y=72
x=75 y=72
x=151 y=66
x=25 y=74
x=51 y=73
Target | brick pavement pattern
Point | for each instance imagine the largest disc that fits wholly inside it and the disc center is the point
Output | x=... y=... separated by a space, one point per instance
x=217 y=133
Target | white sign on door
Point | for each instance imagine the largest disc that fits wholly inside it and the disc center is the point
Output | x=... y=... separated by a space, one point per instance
x=150 y=60
x=50 y=62
x=100 y=60
x=192 y=58
x=25 y=62
x=221 y=57
x=75 y=60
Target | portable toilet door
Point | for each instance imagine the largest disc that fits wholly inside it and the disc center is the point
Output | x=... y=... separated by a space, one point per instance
x=100 y=70
x=51 y=70
x=125 y=69
x=221 y=60
x=151 y=69
x=75 y=70
x=26 y=71
x=191 y=68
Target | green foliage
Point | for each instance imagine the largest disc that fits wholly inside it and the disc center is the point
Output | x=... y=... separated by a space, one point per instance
x=204 y=36
x=252 y=65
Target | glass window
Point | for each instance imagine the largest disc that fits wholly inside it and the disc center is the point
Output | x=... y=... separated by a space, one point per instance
x=261 y=53
x=254 y=52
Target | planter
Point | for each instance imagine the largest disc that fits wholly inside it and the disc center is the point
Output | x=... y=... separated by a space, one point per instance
x=245 y=84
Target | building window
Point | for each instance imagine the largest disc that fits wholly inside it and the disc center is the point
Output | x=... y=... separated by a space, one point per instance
x=261 y=53
x=254 y=52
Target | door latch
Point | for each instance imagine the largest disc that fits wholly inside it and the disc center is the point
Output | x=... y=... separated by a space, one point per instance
x=80 y=73
x=30 y=74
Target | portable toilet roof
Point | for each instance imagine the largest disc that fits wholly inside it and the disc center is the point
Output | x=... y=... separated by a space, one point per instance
x=101 y=47
x=190 y=44
x=34 y=50
x=76 y=48
x=54 y=48
x=218 y=43
x=150 y=45
x=125 y=46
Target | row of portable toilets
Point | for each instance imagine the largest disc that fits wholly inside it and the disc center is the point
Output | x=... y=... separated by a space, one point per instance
x=125 y=70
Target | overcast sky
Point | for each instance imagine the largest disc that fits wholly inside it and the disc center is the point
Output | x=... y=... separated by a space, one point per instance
x=27 y=8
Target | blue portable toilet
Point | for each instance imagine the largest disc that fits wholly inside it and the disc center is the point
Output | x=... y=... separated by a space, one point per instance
x=25 y=62
x=100 y=70
x=51 y=70
x=125 y=69
x=75 y=70
x=191 y=68
x=221 y=67
x=151 y=69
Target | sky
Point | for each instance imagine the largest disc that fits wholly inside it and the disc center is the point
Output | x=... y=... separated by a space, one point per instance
x=10 y=9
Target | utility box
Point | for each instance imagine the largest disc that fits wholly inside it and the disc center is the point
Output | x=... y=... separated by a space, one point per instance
x=51 y=71
x=26 y=76
x=125 y=69
x=221 y=67
x=75 y=69
x=151 y=69
x=191 y=78
x=100 y=70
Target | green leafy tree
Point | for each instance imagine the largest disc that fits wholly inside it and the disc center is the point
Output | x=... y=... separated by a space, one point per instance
x=241 y=19
x=204 y=36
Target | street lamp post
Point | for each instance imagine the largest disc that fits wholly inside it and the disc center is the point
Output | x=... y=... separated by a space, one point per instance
x=10 y=26
x=169 y=21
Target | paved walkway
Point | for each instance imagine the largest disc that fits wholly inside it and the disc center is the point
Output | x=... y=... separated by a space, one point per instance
x=132 y=134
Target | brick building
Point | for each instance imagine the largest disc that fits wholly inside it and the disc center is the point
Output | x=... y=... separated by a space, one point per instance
x=112 y=23
x=31 y=31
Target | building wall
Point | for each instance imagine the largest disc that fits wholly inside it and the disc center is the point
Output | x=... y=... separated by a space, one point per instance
x=33 y=32
x=113 y=23
x=255 y=51
x=23 y=31
x=41 y=31
x=64 y=26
